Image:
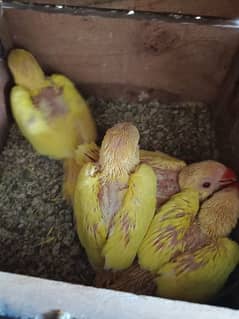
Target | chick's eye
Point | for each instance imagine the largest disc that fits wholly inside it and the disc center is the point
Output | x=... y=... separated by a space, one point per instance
x=206 y=185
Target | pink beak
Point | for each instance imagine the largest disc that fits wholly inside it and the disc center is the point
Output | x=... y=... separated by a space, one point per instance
x=228 y=177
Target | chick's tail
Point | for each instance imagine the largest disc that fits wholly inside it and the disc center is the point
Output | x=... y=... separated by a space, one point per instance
x=26 y=70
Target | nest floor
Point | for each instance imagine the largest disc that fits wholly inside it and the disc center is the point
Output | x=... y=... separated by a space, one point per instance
x=37 y=236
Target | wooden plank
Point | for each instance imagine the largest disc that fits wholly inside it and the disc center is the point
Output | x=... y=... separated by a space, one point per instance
x=221 y=8
x=112 y=57
x=4 y=78
x=226 y=116
x=4 y=34
x=5 y=43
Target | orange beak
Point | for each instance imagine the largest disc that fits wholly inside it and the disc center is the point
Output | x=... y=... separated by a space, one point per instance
x=228 y=177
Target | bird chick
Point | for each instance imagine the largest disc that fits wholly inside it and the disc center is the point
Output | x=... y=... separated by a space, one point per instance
x=200 y=274
x=50 y=113
x=185 y=226
x=115 y=200
x=197 y=182
x=219 y=215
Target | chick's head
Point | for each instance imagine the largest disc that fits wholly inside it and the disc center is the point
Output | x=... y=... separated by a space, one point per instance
x=206 y=177
x=219 y=214
x=119 y=153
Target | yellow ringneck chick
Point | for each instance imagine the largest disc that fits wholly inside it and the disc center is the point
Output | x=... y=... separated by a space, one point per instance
x=84 y=153
x=197 y=182
x=115 y=200
x=200 y=272
x=178 y=229
x=49 y=111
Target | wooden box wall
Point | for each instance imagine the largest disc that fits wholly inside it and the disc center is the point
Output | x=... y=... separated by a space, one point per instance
x=112 y=54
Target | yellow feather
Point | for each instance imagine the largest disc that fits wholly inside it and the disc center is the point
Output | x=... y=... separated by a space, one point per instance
x=166 y=232
x=200 y=275
x=46 y=139
x=84 y=153
x=161 y=160
x=90 y=225
x=132 y=220
x=26 y=71
x=50 y=112
x=84 y=122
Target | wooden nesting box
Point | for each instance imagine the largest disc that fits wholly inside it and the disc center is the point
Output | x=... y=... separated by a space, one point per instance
x=171 y=50
x=130 y=49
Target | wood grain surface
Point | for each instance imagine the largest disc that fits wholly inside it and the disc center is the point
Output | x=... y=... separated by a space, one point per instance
x=223 y=8
x=125 y=57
